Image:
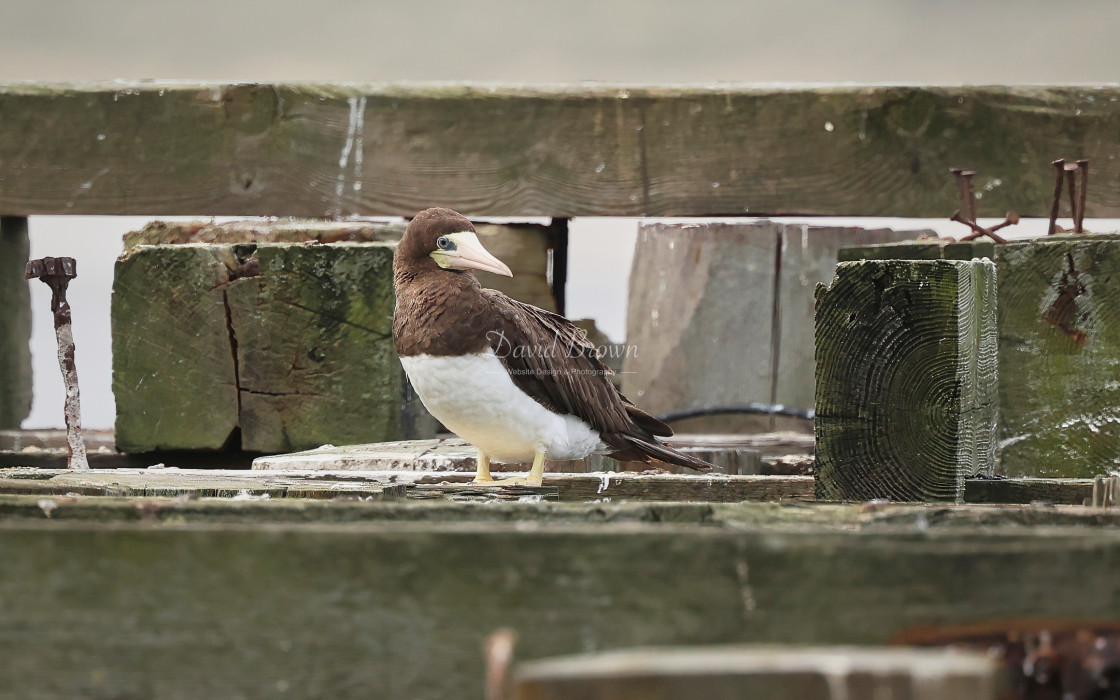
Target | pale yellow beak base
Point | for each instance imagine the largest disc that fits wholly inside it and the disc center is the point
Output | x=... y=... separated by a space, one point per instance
x=468 y=254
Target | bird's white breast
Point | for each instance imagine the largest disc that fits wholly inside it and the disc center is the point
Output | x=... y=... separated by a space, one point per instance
x=474 y=396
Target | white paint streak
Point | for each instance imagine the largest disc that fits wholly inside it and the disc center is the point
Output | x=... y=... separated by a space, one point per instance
x=352 y=147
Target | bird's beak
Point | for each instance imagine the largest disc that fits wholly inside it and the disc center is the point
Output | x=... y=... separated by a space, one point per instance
x=467 y=253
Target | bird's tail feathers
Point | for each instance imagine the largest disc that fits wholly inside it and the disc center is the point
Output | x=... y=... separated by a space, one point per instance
x=665 y=453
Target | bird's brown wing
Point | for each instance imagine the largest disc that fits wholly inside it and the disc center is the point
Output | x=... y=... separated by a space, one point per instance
x=551 y=359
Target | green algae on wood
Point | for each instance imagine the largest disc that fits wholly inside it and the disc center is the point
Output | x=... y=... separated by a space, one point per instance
x=408 y=605
x=291 y=344
x=1059 y=347
x=1059 y=317
x=906 y=379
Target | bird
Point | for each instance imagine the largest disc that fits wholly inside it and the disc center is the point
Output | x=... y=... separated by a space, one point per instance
x=518 y=382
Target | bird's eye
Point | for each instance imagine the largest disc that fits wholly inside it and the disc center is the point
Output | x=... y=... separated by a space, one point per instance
x=443 y=242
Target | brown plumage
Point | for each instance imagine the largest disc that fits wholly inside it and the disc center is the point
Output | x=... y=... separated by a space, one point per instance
x=445 y=312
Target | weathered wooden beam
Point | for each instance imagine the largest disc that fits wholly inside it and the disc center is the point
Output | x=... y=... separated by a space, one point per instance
x=721 y=314
x=288 y=344
x=279 y=479
x=582 y=150
x=407 y=606
x=731 y=454
x=15 y=323
x=1059 y=346
x=762 y=673
x=420 y=484
x=906 y=379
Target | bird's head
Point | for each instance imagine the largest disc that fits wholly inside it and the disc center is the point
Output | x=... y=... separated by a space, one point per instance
x=442 y=238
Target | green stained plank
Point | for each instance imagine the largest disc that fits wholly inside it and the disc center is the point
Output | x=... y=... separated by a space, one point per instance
x=1059 y=317
x=290 y=343
x=401 y=610
x=906 y=379
x=1059 y=348
x=579 y=150
x=174 y=377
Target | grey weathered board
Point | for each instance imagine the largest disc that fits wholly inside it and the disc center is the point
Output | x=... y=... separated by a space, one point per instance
x=400 y=610
x=303 y=483
x=761 y=672
x=906 y=379
x=15 y=323
x=721 y=314
x=1059 y=348
x=278 y=479
x=732 y=454
x=577 y=150
x=289 y=344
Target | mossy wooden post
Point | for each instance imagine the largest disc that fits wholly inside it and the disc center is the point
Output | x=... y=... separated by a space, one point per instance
x=15 y=323
x=290 y=343
x=1059 y=347
x=906 y=379
x=1059 y=316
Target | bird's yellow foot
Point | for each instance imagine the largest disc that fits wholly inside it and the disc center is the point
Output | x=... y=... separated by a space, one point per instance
x=535 y=477
x=482 y=476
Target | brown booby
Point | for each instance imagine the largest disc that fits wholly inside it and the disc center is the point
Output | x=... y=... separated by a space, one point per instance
x=517 y=382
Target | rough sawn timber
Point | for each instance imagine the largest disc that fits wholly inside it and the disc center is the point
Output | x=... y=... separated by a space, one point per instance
x=1058 y=323
x=762 y=672
x=576 y=150
x=400 y=610
x=290 y=345
x=906 y=379
x=721 y=314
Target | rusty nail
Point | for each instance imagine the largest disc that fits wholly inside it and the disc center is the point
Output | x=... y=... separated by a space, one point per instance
x=978 y=230
x=56 y=273
x=1059 y=165
x=962 y=188
x=967 y=175
x=1083 y=165
x=1071 y=180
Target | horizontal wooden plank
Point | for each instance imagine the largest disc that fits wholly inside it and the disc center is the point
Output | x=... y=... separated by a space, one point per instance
x=401 y=610
x=306 y=498
x=762 y=453
x=429 y=484
x=716 y=488
x=582 y=150
x=762 y=672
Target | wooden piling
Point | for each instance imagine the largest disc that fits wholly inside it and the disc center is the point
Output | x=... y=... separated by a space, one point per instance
x=906 y=379
x=1058 y=326
x=15 y=323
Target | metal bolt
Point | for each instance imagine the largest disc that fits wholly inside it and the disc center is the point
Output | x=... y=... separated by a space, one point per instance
x=56 y=273
x=1083 y=165
x=1059 y=165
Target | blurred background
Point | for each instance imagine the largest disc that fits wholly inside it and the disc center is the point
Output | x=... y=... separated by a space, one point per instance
x=514 y=41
